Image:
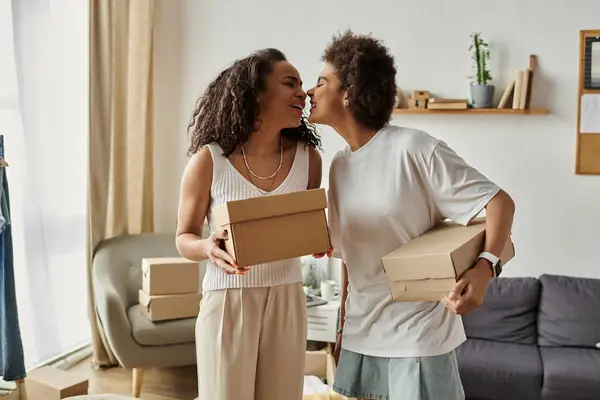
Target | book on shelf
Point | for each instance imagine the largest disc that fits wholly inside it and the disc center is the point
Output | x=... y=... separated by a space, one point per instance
x=517 y=94
x=447 y=104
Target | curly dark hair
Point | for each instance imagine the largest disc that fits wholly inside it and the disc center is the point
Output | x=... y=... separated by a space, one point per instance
x=228 y=110
x=366 y=68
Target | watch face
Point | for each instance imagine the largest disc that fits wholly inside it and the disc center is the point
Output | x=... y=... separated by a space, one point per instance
x=498 y=268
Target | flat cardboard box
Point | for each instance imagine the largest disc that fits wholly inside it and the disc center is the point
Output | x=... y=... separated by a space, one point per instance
x=52 y=383
x=274 y=227
x=427 y=267
x=169 y=307
x=170 y=275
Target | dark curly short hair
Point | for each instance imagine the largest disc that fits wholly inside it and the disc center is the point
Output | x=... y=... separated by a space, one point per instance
x=228 y=110
x=366 y=68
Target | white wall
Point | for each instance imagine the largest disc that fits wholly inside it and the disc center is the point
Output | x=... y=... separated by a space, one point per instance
x=558 y=213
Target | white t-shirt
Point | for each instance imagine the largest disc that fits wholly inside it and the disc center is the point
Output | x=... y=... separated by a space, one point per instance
x=393 y=189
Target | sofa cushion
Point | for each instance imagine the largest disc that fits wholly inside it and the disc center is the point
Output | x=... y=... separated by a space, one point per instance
x=499 y=371
x=509 y=312
x=569 y=313
x=148 y=333
x=570 y=373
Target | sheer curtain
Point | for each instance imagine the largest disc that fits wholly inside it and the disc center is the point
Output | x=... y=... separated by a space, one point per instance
x=44 y=119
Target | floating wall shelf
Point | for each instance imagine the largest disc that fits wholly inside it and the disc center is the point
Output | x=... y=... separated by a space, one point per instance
x=497 y=111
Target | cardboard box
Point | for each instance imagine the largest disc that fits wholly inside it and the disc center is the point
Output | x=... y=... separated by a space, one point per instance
x=276 y=227
x=322 y=365
x=169 y=307
x=427 y=267
x=170 y=275
x=52 y=383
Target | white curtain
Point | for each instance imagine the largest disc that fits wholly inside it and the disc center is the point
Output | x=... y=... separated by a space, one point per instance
x=44 y=119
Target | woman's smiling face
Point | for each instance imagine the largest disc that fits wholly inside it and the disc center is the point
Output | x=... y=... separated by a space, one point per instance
x=326 y=99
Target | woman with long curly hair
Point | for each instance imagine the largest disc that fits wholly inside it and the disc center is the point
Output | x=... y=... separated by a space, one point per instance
x=249 y=138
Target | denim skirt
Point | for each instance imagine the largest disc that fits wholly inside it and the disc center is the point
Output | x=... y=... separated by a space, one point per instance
x=412 y=378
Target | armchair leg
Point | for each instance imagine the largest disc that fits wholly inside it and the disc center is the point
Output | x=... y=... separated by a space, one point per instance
x=138 y=377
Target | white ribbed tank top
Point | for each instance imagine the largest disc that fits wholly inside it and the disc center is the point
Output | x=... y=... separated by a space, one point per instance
x=229 y=184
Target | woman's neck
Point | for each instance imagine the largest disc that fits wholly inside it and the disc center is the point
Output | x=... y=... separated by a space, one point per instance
x=263 y=142
x=355 y=134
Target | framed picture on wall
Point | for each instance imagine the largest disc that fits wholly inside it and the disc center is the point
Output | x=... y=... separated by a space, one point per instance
x=592 y=63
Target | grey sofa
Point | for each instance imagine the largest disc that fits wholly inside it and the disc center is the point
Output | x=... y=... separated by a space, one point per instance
x=534 y=339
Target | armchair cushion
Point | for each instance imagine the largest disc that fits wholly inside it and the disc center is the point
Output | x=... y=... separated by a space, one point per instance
x=148 y=333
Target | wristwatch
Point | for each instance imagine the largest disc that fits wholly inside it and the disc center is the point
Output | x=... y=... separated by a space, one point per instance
x=495 y=263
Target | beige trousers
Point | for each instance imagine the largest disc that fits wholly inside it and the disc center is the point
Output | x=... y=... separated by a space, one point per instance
x=251 y=343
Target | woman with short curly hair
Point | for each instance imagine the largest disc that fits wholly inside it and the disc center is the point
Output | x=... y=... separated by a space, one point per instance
x=389 y=185
x=249 y=138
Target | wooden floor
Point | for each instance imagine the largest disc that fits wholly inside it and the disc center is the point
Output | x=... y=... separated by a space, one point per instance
x=159 y=384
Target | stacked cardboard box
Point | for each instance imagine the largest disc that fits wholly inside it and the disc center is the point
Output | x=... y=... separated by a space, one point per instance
x=170 y=288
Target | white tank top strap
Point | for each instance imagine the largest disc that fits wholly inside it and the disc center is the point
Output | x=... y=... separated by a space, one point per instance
x=306 y=158
x=219 y=161
x=302 y=164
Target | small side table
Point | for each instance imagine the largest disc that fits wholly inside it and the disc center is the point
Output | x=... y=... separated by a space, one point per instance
x=323 y=322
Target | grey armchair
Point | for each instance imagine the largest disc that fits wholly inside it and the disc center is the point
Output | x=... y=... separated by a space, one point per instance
x=137 y=342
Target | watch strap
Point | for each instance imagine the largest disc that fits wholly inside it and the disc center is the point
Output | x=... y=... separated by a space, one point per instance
x=494 y=261
x=490 y=257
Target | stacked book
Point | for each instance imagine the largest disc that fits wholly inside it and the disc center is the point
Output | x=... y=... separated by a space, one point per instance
x=447 y=104
x=170 y=288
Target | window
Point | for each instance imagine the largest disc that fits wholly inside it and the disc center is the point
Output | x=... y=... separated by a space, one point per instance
x=44 y=120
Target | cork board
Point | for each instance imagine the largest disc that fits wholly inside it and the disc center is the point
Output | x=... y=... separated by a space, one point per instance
x=588 y=107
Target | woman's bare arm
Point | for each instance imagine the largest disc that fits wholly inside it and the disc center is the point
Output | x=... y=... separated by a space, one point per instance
x=194 y=201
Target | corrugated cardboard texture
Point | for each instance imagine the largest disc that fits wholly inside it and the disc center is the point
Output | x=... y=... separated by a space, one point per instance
x=426 y=268
x=170 y=275
x=278 y=227
x=169 y=307
x=51 y=383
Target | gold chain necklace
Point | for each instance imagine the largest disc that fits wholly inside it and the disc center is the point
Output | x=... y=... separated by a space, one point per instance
x=264 y=178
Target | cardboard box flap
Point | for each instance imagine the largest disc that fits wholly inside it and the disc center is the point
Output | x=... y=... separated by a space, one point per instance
x=320 y=363
x=270 y=206
x=330 y=369
x=315 y=363
x=144 y=299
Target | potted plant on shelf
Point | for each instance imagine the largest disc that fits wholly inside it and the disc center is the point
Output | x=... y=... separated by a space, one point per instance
x=482 y=93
